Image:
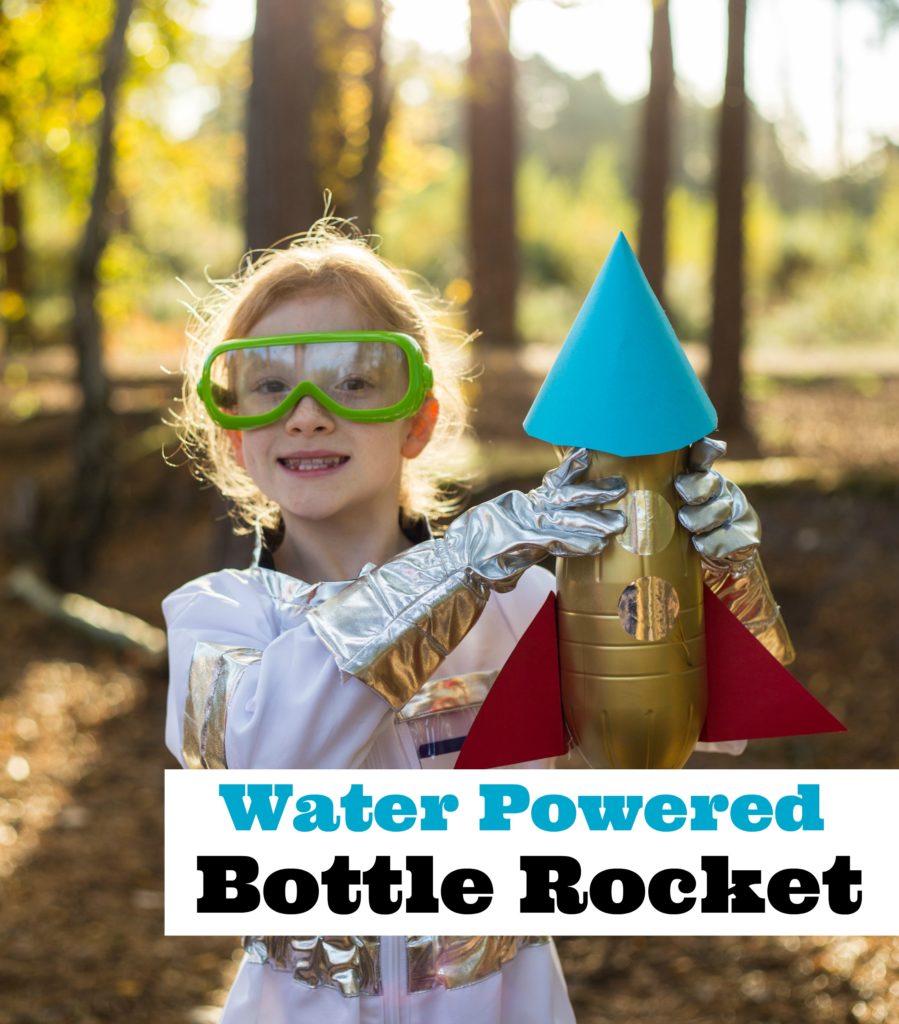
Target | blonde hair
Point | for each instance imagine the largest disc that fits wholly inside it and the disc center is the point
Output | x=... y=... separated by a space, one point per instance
x=328 y=259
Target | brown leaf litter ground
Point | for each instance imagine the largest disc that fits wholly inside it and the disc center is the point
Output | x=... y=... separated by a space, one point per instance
x=81 y=750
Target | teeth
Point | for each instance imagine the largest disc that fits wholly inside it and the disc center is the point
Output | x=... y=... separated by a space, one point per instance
x=326 y=462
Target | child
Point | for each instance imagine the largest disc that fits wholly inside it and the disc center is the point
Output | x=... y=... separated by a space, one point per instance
x=319 y=399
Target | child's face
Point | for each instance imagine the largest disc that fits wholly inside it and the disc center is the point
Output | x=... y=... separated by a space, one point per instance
x=317 y=465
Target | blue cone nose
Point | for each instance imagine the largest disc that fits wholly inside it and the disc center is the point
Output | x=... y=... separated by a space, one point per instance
x=621 y=382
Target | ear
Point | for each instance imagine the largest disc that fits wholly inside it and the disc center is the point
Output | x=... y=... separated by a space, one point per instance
x=421 y=427
x=236 y=439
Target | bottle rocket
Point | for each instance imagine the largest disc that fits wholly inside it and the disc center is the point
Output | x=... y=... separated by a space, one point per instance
x=646 y=659
x=631 y=632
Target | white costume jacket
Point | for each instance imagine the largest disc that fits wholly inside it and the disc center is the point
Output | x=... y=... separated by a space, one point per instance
x=253 y=687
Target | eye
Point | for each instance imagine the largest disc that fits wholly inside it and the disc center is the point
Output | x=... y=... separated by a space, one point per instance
x=354 y=383
x=269 y=386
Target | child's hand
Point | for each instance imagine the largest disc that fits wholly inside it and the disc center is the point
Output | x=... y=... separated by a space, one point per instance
x=394 y=625
x=725 y=527
x=562 y=517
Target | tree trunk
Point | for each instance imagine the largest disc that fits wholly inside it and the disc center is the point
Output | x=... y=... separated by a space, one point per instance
x=13 y=253
x=656 y=152
x=298 y=145
x=493 y=150
x=283 y=195
x=725 y=373
x=367 y=184
x=78 y=533
x=17 y=322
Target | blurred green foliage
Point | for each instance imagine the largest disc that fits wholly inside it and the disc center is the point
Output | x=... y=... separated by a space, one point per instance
x=822 y=256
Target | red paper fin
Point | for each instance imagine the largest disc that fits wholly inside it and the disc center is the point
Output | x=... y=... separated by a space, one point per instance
x=751 y=695
x=521 y=719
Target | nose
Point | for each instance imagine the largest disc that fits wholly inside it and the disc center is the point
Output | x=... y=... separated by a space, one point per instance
x=308 y=417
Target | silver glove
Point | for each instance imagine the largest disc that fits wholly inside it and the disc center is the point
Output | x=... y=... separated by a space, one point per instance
x=393 y=626
x=727 y=532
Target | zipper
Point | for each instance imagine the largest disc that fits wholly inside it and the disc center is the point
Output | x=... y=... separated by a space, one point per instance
x=393 y=979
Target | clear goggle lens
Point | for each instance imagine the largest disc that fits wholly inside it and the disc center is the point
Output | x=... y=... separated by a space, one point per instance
x=366 y=375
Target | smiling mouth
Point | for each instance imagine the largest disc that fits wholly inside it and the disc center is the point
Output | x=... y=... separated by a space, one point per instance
x=317 y=462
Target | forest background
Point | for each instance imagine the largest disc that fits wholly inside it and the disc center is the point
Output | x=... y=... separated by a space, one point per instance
x=143 y=148
x=132 y=173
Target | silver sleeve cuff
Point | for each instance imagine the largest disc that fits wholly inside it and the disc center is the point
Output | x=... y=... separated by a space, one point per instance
x=746 y=592
x=393 y=627
x=215 y=672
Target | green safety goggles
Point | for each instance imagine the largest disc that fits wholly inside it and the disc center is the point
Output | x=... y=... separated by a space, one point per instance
x=367 y=376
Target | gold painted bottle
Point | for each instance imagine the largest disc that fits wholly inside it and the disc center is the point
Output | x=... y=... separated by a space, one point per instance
x=632 y=640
